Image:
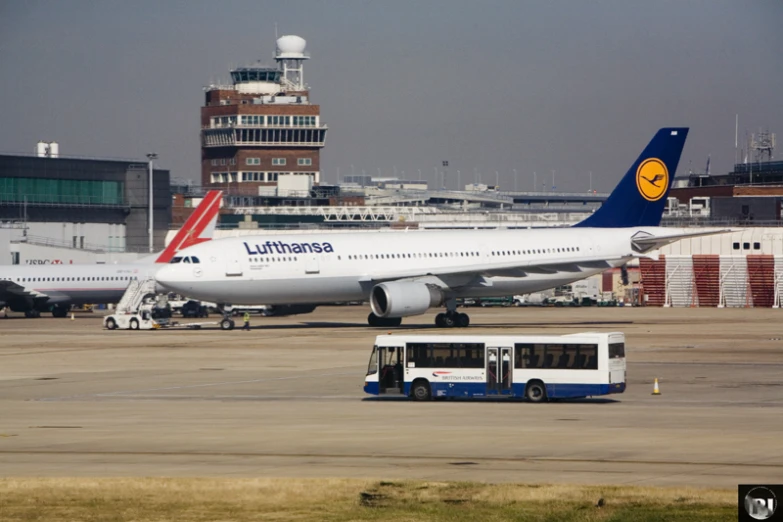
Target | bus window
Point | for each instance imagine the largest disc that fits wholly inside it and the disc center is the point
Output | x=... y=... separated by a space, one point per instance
x=471 y=355
x=441 y=356
x=553 y=353
x=528 y=355
x=616 y=350
x=587 y=358
x=567 y=357
x=418 y=356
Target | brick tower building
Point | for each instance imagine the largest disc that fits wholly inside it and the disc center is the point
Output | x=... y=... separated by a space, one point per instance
x=261 y=126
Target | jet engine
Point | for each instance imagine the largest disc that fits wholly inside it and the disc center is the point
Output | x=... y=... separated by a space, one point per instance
x=404 y=298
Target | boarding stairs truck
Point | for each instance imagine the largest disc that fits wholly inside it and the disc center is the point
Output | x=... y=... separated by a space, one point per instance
x=134 y=311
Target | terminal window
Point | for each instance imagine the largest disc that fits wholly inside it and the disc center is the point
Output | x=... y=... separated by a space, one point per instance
x=62 y=191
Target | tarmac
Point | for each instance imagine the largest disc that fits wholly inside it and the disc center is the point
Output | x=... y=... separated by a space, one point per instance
x=286 y=400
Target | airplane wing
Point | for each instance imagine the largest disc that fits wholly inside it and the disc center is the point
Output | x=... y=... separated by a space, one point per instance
x=456 y=277
x=10 y=290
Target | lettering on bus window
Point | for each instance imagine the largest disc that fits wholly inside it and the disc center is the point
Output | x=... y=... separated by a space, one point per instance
x=445 y=355
x=616 y=350
x=556 y=356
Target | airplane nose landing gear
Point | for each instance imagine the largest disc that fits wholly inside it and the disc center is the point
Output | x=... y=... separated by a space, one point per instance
x=226 y=323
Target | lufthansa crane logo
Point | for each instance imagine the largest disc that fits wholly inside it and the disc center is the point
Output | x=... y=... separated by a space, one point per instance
x=652 y=179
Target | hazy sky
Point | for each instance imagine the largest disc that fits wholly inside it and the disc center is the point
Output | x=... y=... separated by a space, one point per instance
x=490 y=85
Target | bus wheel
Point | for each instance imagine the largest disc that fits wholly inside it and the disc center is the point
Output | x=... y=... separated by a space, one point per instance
x=420 y=391
x=535 y=391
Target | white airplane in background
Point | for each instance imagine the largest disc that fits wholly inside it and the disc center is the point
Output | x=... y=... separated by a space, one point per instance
x=33 y=289
x=404 y=273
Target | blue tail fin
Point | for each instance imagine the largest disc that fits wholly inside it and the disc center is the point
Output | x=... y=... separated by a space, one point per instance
x=639 y=198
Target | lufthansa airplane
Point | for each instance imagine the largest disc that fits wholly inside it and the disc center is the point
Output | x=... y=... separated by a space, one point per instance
x=38 y=288
x=404 y=273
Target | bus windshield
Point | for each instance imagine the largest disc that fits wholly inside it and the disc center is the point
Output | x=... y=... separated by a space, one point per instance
x=373 y=366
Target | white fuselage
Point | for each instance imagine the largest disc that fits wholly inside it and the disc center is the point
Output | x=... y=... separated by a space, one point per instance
x=77 y=284
x=336 y=267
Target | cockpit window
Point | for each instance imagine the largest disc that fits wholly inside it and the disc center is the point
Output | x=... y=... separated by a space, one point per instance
x=194 y=259
x=186 y=260
x=176 y=260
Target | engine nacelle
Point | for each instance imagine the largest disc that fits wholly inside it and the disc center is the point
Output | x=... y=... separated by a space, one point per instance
x=403 y=298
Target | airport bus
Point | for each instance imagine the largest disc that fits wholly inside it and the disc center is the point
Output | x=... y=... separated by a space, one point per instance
x=535 y=367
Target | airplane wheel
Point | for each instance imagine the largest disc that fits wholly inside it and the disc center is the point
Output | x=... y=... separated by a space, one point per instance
x=111 y=324
x=226 y=324
x=373 y=320
x=393 y=321
x=449 y=320
x=439 y=320
x=463 y=320
x=134 y=324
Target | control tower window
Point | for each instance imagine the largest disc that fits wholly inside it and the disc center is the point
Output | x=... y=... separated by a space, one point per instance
x=278 y=161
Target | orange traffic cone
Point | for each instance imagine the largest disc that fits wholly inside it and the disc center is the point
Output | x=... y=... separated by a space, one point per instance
x=656 y=390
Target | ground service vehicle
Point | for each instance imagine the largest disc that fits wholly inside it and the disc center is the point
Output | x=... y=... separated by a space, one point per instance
x=536 y=367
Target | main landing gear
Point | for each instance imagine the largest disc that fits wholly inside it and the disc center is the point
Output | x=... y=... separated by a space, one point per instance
x=374 y=320
x=451 y=318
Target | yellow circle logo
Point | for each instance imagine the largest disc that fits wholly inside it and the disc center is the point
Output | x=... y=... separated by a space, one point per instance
x=652 y=179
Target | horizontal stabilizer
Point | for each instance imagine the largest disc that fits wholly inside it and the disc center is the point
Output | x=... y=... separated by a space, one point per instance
x=644 y=241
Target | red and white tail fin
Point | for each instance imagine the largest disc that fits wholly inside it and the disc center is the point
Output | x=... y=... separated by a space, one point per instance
x=199 y=227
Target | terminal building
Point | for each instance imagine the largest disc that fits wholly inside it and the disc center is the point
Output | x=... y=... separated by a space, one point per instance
x=262 y=126
x=57 y=209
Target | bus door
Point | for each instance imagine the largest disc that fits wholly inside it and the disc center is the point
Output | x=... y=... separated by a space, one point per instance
x=499 y=370
x=390 y=378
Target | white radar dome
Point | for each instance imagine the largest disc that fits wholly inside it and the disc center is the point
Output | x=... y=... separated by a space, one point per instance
x=291 y=45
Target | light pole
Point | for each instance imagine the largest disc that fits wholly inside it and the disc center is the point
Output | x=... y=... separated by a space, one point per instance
x=151 y=157
x=443 y=175
x=515 y=180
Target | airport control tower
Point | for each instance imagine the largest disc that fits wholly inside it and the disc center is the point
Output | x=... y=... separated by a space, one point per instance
x=262 y=126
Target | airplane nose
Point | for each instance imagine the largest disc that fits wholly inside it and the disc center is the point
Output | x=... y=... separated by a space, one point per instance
x=168 y=276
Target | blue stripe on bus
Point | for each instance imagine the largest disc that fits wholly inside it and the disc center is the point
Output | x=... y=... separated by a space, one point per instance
x=553 y=391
